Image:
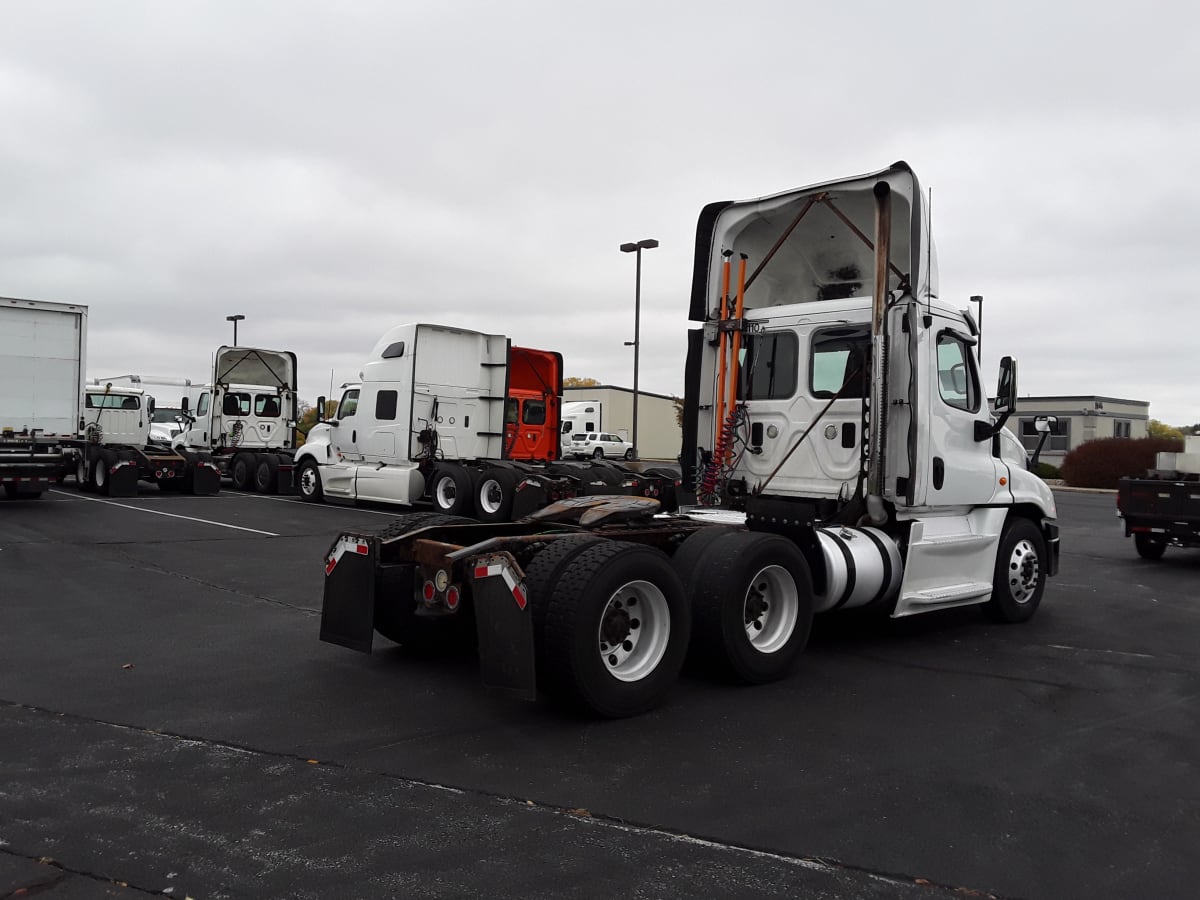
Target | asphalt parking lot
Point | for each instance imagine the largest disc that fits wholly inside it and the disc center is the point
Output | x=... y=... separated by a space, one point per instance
x=169 y=723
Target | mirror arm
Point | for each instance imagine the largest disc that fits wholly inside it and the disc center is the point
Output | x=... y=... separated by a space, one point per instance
x=985 y=431
x=1033 y=460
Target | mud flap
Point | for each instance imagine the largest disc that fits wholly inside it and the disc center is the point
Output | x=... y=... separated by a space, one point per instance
x=531 y=496
x=348 y=608
x=286 y=471
x=206 y=479
x=123 y=480
x=505 y=627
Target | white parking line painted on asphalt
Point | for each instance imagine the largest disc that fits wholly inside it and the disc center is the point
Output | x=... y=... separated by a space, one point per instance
x=357 y=509
x=155 y=512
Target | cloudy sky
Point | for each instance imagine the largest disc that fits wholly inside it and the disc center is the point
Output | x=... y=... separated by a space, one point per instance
x=328 y=170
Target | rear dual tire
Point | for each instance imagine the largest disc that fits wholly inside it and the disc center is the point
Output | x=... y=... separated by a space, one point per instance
x=1149 y=547
x=752 y=596
x=615 y=629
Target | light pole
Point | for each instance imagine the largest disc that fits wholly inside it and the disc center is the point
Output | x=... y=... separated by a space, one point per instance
x=647 y=244
x=234 y=320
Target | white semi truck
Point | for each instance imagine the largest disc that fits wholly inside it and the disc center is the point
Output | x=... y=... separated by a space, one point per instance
x=168 y=393
x=580 y=416
x=43 y=346
x=838 y=437
x=246 y=418
x=461 y=417
x=116 y=449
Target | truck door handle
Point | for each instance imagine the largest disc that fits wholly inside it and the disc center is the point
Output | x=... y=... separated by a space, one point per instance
x=354 y=436
x=939 y=473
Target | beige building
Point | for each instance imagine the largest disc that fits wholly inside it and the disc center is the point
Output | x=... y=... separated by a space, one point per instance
x=659 y=434
x=1080 y=419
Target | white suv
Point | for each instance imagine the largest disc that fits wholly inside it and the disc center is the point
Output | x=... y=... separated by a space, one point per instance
x=600 y=445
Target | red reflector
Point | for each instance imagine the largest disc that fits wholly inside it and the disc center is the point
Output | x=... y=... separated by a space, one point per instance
x=428 y=591
x=518 y=593
x=481 y=571
x=452 y=597
x=361 y=549
x=329 y=564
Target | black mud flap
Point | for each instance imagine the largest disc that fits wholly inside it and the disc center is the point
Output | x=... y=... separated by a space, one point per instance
x=505 y=627
x=285 y=474
x=206 y=479
x=123 y=481
x=1053 y=545
x=531 y=496
x=348 y=608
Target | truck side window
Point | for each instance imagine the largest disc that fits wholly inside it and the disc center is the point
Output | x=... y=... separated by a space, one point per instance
x=385 y=405
x=769 y=366
x=534 y=412
x=348 y=405
x=957 y=382
x=202 y=405
x=839 y=361
x=511 y=411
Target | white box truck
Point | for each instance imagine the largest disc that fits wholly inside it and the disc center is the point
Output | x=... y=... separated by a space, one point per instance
x=42 y=350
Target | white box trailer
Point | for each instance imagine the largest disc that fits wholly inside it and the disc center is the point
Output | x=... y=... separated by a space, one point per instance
x=43 y=347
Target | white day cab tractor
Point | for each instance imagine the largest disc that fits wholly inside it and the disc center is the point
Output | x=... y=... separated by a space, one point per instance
x=246 y=418
x=840 y=444
x=115 y=449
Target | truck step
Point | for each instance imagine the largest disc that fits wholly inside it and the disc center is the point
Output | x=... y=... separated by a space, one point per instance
x=943 y=540
x=943 y=597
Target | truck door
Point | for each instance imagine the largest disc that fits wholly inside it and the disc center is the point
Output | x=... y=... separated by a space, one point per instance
x=197 y=435
x=343 y=436
x=961 y=471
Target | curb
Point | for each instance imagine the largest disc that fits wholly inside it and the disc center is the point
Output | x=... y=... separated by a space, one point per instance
x=1081 y=490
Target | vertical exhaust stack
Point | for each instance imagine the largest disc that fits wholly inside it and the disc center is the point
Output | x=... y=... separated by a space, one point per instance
x=877 y=444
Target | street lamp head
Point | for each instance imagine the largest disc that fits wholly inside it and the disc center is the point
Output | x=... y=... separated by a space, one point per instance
x=237 y=318
x=646 y=244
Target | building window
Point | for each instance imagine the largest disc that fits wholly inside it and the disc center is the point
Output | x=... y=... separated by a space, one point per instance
x=1122 y=428
x=1059 y=440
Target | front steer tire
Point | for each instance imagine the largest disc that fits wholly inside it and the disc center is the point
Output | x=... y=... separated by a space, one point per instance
x=308 y=482
x=1020 y=575
x=616 y=630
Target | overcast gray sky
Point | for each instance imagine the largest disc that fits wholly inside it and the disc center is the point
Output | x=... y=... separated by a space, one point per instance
x=329 y=170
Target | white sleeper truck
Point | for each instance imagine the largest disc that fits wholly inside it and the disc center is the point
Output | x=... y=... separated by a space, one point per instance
x=461 y=417
x=116 y=449
x=246 y=418
x=42 y=350
x=839 y=440
x=168 y=393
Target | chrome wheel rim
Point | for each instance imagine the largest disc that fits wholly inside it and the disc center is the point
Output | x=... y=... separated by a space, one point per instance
x=771 y=609
x=101 y=476
x=81 y=471
x=308 y=481
x=1024 y=570
x=635 y=628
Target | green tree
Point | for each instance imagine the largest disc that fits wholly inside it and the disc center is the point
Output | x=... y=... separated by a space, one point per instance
x=576 y=381
x=1157 y=429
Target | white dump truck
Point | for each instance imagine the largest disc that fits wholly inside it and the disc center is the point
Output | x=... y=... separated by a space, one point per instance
x=43 y=346
x=1161 y=507
x=838 y=437
x=116 y=450
x=246 y=418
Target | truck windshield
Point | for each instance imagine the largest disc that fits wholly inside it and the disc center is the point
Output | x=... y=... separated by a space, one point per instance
x=166 y=413
x=112 y=401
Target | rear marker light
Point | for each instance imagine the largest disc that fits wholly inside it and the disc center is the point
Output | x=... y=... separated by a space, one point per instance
x=428 y=591
x=452 y=597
